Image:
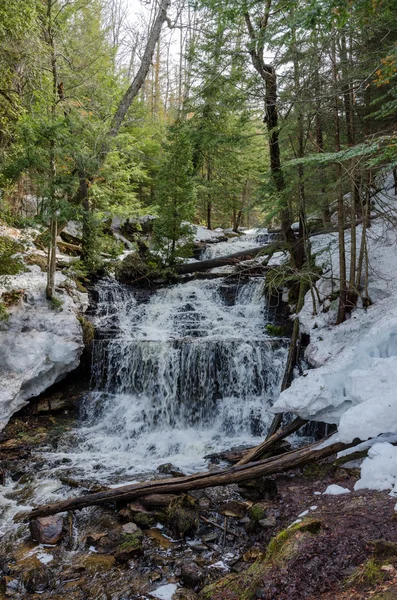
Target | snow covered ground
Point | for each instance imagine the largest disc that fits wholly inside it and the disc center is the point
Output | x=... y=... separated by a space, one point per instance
x=354 y=379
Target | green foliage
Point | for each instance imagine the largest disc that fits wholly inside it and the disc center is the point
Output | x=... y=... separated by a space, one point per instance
x=56 y=304
x=175 y=196
x=276 y=330
x=9 y=263
x=88 y=331
x=4 y=316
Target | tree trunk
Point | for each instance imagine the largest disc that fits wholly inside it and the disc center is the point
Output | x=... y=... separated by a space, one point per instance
x=341 y=208
x=268 y=73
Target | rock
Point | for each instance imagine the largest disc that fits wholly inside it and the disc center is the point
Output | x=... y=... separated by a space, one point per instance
x=139 y=515
x=253 y=554
x=169 y=469
x=192 y=575
x=269 y=522
x=259 y=489
x=130 y=547
x=36 y=580
x=235 y=509
x=130 y=528
x=47 y=530
x=159 y=538
x=257 y=512
x=39 y=344
x=93 y=538
x=136 y=268
x=182 y=516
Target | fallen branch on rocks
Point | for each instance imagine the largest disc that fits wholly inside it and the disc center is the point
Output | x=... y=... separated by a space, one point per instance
x=270 y=466
x=271 y=442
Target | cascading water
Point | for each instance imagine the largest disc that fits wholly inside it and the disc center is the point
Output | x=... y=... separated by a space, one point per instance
x=177 y=374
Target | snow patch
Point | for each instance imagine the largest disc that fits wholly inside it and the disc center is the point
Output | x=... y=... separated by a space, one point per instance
x=165 y=592
x=379 y=469
x=335 y=490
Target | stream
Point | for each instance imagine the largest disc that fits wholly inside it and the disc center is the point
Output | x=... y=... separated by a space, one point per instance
x=177 y=373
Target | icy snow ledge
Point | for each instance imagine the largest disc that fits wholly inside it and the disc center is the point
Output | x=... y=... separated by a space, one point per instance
x=356 y=389
x=379 y=469
x=355 y=382
x=38 y=345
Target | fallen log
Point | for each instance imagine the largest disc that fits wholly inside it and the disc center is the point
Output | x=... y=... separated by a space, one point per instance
x=234 y=455
x=237 y=474
x=271 y=442
x=230 y=259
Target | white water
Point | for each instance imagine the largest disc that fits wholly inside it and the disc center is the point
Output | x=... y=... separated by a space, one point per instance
x=188 y=371
x=251 y=239
x=177 y=374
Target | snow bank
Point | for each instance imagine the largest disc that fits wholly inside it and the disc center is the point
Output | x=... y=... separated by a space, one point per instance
x=379 y=469
x=38 y=345
x=356 y=376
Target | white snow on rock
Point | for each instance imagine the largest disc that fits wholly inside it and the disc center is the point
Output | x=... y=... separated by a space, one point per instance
x=335 y=490
x=379 y=469
x=202 y=234
x=165 y=592
x=39 y=345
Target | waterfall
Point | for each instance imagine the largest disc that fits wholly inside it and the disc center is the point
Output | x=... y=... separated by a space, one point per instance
x=178 y=373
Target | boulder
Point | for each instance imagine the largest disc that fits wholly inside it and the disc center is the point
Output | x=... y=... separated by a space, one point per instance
x=192 y=575
x=47 y=530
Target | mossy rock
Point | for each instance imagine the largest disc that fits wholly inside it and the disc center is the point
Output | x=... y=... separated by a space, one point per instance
x=130 y=547
x=182 y=517
x=145 y=520
x=278 y=544
x=136 y=269
x=276 y=330
x=257 y=512
x=88 y=331
x=12 y=297
x=243 y=586
x=367 y=574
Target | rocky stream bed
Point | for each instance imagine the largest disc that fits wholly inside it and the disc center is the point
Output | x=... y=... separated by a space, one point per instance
x=273 y=539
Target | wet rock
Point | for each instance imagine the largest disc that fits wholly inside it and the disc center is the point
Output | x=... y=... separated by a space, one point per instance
x=182 y=516
x=259 y=489
x=139 y=515
x=47 y=530
x=130 y=547
x=169 y=469
x=192 y=575
x=36 y=579
x=93 y=538
x=268 y=522
x=130 y=528
x=235 y=509
x=159 y=538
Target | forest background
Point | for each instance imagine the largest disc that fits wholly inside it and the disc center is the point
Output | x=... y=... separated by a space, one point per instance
x=220 y=113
